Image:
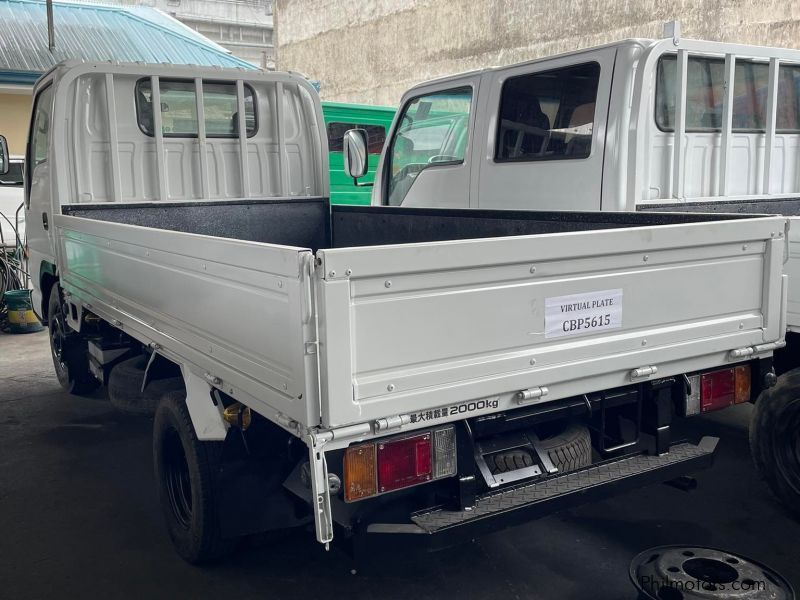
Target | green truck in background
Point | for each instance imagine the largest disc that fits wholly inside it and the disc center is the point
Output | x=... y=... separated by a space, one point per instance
x=340 y=117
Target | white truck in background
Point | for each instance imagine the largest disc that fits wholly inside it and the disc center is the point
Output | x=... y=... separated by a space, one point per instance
x=378 y=372
x=595 y=130
x=12 y=215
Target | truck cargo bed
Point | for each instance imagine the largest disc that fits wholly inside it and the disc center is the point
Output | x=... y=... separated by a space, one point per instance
x=341 y=316
x=314 y=224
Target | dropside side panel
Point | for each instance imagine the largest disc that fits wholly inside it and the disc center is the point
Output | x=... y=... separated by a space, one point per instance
x=238 y=311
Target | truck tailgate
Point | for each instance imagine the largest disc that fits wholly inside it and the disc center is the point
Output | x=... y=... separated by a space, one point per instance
x=431 y=330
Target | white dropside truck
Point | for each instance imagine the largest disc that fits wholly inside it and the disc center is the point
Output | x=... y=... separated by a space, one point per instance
x=595 y=129
x=378 y=372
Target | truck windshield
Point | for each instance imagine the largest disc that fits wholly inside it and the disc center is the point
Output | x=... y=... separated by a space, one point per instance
x=432 y=132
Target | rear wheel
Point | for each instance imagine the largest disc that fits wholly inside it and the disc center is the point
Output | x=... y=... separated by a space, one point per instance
x=186 y=475
x=69 y=350
x=775 y=439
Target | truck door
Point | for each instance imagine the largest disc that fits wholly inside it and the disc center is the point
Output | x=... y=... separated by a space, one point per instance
x=37 y=186
x=542 y=145
x=427 y=162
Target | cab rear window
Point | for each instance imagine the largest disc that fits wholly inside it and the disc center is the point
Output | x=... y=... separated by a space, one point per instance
x=179 y=108
x=705 y=90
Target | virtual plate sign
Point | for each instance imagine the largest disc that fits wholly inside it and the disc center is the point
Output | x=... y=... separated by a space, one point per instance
x=577 y=314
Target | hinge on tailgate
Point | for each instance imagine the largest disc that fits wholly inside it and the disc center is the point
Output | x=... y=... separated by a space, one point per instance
x=740 y=353
x=395 y=422
x=531 y=394
x=643 y=372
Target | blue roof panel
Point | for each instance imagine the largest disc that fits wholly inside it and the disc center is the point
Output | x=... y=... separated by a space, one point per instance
x=97 y=32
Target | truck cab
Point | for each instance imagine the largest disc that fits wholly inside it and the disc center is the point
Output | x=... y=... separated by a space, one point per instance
x=514 y=137
x=595 y=129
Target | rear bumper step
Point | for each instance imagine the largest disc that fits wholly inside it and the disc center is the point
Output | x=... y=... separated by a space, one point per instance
x=522 y=503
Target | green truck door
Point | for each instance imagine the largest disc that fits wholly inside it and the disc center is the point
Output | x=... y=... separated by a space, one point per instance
x=376 y=120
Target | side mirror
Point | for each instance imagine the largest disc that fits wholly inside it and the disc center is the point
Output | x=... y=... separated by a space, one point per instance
x=354 y=148
x=4 y=158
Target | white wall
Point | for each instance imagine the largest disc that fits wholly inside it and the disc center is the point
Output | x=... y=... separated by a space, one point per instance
x=372 y=50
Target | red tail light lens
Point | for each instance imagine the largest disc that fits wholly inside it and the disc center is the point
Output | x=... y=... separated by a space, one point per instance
x=725 y=387
x=716 y=390
x=404 y=462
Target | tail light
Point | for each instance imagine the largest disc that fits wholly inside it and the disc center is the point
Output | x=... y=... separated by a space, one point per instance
x=718 y=389
x=393 y=464
x=359 y=472
x=742 y=384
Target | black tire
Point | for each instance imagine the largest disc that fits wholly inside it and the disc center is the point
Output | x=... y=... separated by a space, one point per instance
x=185 y=470
x=511 y=460
x=125 y=384
x=775 y=439
x=570 y=449
x=69 y=349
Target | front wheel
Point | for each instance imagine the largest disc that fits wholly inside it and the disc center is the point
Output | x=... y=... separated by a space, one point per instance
x=69 y=350
x=186 y=476
x=775 y=439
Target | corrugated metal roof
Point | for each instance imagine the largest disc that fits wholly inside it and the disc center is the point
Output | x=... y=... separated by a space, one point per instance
x=95 y=32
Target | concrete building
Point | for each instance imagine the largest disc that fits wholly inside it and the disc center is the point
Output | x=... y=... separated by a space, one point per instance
x=244 y=27
x=372 y=51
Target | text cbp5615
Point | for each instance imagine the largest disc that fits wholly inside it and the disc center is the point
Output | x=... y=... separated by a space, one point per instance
x=578 y=314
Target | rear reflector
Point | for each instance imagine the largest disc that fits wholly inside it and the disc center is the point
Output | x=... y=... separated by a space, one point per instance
x=379 y=467
x=718 y=389
x=444 y=452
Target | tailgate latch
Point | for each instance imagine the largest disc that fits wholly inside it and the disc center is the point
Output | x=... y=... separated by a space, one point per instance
x=643 y=372
x=531 y=394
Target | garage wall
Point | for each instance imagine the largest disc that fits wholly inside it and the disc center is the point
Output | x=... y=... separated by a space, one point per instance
x=372 y=50
x=15 y=112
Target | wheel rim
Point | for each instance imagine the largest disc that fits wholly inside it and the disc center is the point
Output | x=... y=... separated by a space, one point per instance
x=786 y=444
x=177 y=479
x=57 y=338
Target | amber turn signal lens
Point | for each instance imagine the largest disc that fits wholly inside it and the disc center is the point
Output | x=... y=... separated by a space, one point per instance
x=360 y=474
x=742 y=385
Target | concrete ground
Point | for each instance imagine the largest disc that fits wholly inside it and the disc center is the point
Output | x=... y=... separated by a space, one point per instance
x=79 y=519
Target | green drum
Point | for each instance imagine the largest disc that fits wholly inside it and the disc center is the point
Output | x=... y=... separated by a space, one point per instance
x=21 y=318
